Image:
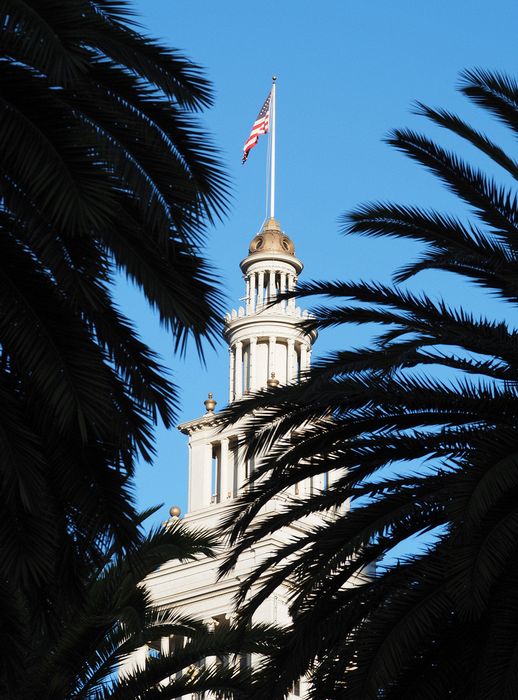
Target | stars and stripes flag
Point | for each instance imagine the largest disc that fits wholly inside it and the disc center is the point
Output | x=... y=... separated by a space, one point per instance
x=261 y=126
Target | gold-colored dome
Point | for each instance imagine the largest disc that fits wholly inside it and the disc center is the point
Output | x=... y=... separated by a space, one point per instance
x=271 y=239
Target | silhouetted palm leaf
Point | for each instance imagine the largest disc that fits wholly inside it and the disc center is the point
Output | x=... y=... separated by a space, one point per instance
x=105 y=171
x=80 y=660
x=417 y=433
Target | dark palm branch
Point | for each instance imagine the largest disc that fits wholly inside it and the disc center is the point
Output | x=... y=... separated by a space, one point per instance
x=414 y=435
x=105 y=171
x=82 y=660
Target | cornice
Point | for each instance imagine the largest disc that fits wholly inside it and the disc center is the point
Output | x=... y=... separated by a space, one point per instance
x=209 y=420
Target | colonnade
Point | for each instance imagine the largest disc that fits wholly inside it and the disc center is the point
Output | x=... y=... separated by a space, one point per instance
x=166 y=645
x=246 y=374
x=228 y=469
x=262 y=286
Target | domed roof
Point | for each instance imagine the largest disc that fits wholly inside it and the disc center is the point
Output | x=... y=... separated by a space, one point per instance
x=271 y=239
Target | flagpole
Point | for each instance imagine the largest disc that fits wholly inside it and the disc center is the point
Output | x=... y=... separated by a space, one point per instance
x=272 y=157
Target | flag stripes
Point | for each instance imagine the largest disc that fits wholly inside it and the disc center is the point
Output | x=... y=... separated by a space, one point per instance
x=260 y=126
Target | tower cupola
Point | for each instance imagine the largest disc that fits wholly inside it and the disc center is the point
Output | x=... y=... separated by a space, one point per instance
x=265 y=336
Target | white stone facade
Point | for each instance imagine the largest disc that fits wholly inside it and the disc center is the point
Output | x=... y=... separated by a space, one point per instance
x=266 y=345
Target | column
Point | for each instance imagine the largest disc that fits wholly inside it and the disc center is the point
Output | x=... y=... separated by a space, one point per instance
x=283 y=287
x=164 y=651
x=192 y=477
x=164 y=645
x=260 y=289
x=271 y=286
x=252 y=292
x=277 y=289
x=141 y=657
x=253 y=368
x=200 y=474
x=247 y=293
x=291 y=287
x=290 y=369
x=207 y=480
x=231 y=383
x=334 y=475
x=132 y=662
x=271 y=355
x=210 y=661
x=318 y=482
x=240 y=468
x=224 y=472
x=303 y=356
x=238 y=370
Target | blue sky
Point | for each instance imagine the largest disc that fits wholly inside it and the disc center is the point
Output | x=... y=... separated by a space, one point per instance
x=347 y=72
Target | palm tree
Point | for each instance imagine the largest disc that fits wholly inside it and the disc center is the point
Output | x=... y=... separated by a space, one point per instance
x=105 y=172
x=81 y=659
x=418 y=433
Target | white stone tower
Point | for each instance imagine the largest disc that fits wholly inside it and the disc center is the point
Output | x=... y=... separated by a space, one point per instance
x=267 y=346
x=264 y=339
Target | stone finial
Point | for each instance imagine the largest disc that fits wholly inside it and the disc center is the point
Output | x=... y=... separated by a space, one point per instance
x=210 y=404
x=175 y=511
x=272 y=381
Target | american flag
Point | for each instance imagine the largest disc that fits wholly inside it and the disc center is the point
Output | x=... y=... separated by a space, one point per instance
x=261 y=126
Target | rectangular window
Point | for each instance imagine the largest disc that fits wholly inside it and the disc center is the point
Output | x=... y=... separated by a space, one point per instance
x=216 y=473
